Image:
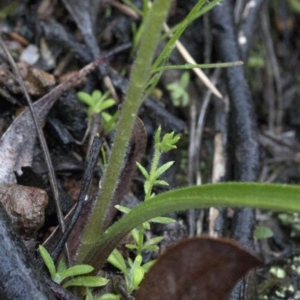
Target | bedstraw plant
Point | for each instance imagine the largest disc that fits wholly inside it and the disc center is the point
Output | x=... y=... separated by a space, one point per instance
x=136 y=270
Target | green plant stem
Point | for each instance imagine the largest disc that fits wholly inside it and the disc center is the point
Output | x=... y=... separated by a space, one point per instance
x=154 y=166
x=198 y=66
x=208 y=6
x=170 y=45
x=133 y=100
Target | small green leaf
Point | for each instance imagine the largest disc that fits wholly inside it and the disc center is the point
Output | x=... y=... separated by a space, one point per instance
x=89 y=295
x=57 y=278
x=277 y=272
x=109 y=296
x=287 y=219
x=76 y=270
x=107 y=104
x=61 y=266
x=157 y=136
x=143 y=170
x=130 y=262
x=148 y=265
x=137 y=261
x=135 y=234
x=47 y=260
x=117 y=260
x=150 y=248
x=131 y=246
x=122 y=209
x=172 y=86
x=177 y=93
x=138 y=275
x=168 y=142
x=163 y=169
x=96 y=95
x=147 y=186
x=154 y=241
x=86 y=98
x=184 y=79
x=106 y=116
x=146 y=225
x=262 y=232
x=163 y=220
x=160 y=182
x=110 y=123
x=185 y=99
x=88 y=281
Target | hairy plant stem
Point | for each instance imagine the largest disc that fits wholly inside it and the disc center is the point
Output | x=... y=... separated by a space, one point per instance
x=133 y=100
x=154 y=165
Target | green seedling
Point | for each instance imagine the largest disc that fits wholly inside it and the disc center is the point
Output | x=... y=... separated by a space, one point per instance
x=165 y=144
x=62 y=272
x=97 y=104
x=136 y=270
x=133 y=271
x=178 y=92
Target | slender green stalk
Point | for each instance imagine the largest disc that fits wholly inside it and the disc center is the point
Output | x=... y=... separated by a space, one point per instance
x=133 y=100
x=277 y=197
x=208 y=6
x=170 y=45
x=198 y=66
x=154 y=166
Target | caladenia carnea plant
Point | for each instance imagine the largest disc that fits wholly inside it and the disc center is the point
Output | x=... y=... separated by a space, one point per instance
x=141 y=82
x=97 y=243
x=139 y=78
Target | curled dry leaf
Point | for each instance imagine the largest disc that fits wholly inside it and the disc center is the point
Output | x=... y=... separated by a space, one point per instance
x=198 y=268
x=25 y=206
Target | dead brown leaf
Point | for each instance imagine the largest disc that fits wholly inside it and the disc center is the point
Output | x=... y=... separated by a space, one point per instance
x=198 y=268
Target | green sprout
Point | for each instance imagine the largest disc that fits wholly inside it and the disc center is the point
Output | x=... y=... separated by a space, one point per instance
x=178 y=92
x=136 y=270
x=133 y=274
x=62 y=272
x=97 y=102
